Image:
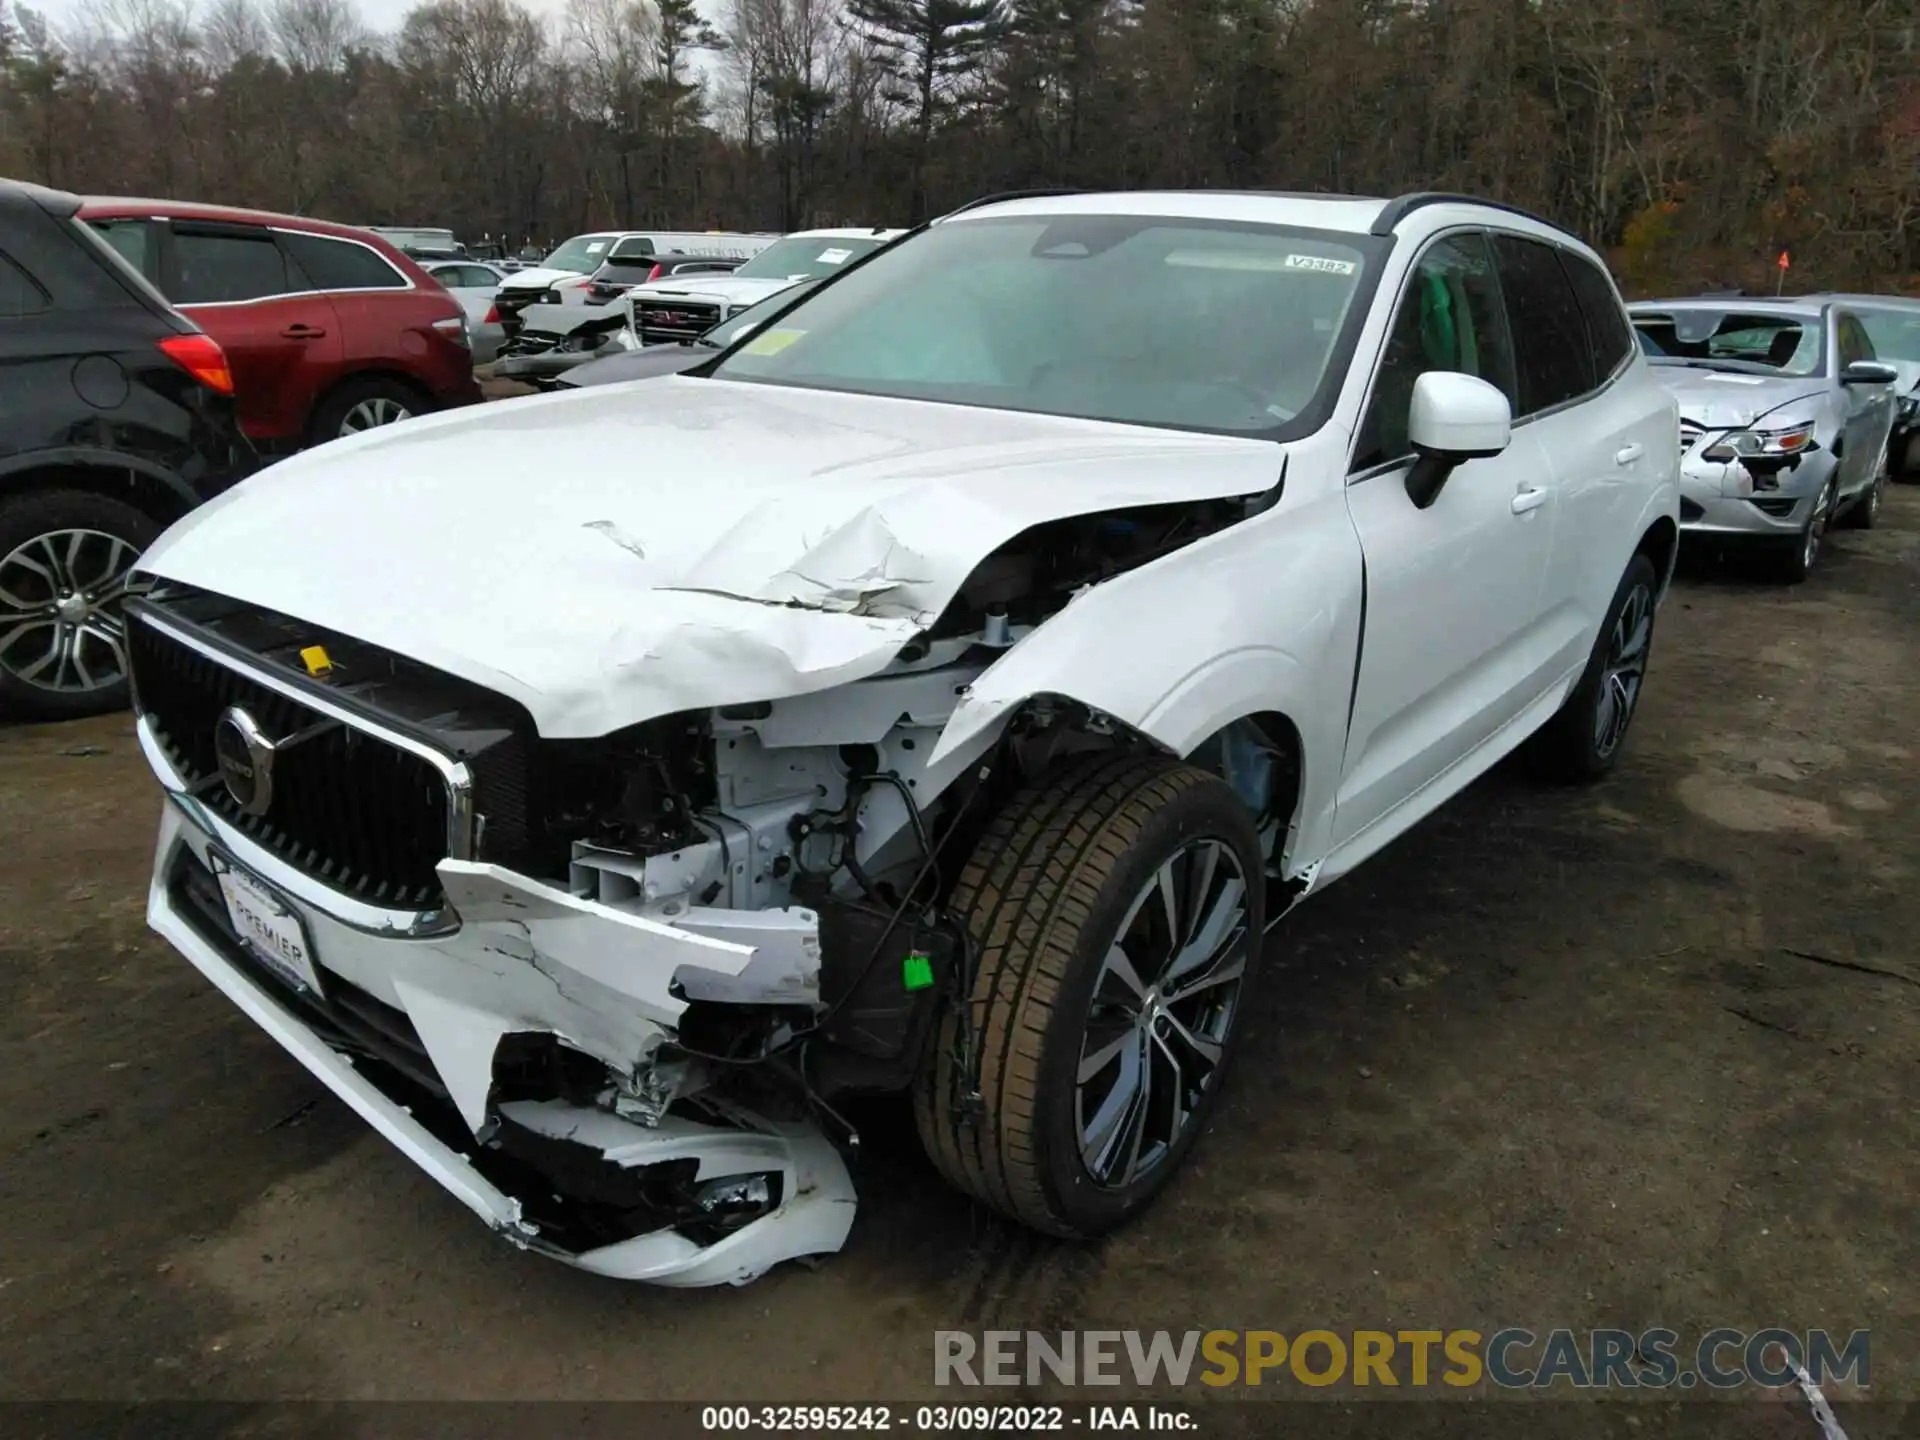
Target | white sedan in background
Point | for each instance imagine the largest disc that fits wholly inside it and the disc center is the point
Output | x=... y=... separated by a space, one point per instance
x=473 y=284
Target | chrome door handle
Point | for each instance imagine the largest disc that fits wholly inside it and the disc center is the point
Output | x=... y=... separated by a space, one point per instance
x=1629 y=454
x=1530 y=499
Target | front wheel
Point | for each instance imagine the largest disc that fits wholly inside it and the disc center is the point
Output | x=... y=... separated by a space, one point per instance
x=1583 y=741
x=1794 y=562
x=1114 y=912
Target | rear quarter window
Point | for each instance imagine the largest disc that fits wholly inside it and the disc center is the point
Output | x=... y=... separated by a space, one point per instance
x=328 y=264
x=20 y=293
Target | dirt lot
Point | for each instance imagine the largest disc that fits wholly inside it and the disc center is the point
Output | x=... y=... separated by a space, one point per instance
x=1555 y=1059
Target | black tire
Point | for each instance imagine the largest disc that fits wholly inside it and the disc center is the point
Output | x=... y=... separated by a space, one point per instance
x=1573 y=747
x=1043 y=898
x=1903 y=458
x=1865 y=513
x=25 y=519
x=1794 y=561
x=332 y=414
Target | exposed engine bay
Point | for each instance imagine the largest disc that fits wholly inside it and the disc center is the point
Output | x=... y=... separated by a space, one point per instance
x=824 y=806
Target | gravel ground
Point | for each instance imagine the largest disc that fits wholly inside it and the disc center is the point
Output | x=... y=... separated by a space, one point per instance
x=1641 y=1054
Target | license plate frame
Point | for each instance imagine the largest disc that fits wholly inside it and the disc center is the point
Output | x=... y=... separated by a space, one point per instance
x=272 y=931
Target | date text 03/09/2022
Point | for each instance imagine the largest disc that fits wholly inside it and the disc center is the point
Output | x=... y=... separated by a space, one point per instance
x=936 y=1419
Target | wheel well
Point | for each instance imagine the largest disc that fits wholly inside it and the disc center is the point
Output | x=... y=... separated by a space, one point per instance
x=1661 y=544
x=361 y=377
x=137 y=488
x=1260 y=755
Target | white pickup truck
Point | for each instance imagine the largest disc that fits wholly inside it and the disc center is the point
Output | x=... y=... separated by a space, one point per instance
x=943 y=689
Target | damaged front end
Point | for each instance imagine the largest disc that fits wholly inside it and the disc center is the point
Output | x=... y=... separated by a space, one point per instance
x=607 y=983
x=554 y=339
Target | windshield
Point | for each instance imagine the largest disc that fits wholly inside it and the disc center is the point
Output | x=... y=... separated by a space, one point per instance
x=581 y=254
x=798 y=257
x=1729 y=340
x=728 y=331
x=1190 y=324
x=1895 y=333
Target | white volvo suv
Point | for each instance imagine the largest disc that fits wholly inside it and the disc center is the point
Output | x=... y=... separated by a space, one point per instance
x=942 y=690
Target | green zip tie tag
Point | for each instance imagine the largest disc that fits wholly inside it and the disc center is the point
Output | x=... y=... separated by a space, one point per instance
x=916 y=972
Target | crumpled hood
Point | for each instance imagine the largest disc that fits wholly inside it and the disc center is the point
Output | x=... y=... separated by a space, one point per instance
x=1721 y=400
x=608 y=555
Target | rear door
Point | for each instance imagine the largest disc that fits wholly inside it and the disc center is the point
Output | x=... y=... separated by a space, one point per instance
x=1601 y=424
x=364 y=289
x=282 y=340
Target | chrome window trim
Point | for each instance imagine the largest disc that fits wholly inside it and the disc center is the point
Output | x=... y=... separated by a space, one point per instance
x=406 y=281
x=458 y=778
x=1488 y=231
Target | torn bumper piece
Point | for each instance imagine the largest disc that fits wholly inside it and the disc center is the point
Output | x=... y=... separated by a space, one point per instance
x=406 y=1028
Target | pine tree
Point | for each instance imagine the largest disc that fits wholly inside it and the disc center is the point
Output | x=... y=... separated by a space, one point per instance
x=931 y=49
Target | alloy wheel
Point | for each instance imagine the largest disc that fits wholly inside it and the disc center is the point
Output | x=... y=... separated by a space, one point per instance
x=372 y=413
x=1628 y=646
x=1163 y=1004
x=61 y=626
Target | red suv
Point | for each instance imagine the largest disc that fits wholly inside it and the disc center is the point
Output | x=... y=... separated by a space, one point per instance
x=328 y=330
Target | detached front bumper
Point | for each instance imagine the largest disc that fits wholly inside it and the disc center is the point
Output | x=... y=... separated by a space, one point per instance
x=1725 y=498
x=407 y=1027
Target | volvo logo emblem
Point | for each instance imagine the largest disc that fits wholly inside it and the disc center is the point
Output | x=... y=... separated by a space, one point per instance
x=245 y=757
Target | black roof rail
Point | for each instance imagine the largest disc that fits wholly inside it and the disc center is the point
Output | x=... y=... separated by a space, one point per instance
x=1402 y=206
x=995 y=199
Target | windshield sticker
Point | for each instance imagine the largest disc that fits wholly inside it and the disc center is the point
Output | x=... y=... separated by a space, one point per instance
x=771 y=343
x=596 y=246
x=834 y=257
x=1321 y=265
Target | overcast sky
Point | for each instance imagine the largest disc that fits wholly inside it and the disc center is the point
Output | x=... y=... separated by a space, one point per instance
x=384 y=15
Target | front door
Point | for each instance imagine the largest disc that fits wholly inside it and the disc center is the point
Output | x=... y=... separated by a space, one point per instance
x=1450 y=650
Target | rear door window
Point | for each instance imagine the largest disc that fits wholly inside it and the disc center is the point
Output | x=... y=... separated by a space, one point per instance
x=1608 y=334
x=324 y=263
x=132 y=238
x=20 y=293
x=225 y=266
x=1549 y=331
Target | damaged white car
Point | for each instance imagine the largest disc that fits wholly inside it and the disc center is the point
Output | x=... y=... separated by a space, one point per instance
x=940 y=691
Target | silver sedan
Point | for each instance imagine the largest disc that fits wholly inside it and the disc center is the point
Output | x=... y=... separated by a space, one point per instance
x=473 y=284
x=1785 y=412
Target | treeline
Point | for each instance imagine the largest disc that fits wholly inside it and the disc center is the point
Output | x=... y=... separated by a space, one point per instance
x=1695 y=139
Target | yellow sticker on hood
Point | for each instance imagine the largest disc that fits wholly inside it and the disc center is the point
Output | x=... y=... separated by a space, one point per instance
x=771 y=343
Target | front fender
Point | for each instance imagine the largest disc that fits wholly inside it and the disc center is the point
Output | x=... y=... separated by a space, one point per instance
x=95 y=458
x=1262 y=617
